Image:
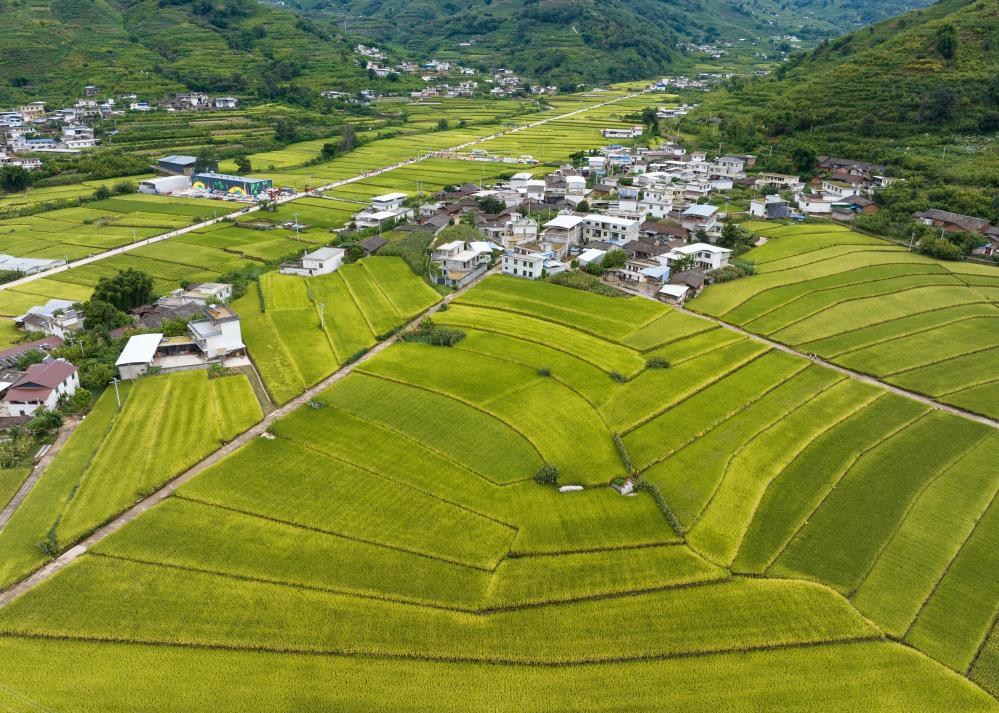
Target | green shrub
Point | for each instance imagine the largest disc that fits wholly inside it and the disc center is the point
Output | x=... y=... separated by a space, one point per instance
x=657 y=362
x=579 y=280
x=445 y=336
x=547 y=475
x=618 y=377
x=652 y=489
x=623 y=452
x=544 y=371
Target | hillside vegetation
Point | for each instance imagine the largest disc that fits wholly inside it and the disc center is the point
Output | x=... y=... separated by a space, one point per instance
x=53 y=48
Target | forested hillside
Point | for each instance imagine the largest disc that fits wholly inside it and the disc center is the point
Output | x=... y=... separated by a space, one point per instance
x=51 y=49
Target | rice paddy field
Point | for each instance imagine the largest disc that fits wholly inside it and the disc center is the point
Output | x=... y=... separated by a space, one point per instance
x=818 y=544
x=300 y=330
x=178 y=419
x=925 y=325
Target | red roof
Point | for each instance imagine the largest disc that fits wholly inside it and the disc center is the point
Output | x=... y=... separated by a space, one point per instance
x=40 y=380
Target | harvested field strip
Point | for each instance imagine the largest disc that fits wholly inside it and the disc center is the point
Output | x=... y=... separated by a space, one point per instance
x=371 y=507
x=960 y=612
x=831 y=547
x=118 y=600
x=917 y=556
x=721 y=527
x=800 y=488
x=703 y=410
x=599 y=352
x=655 y=391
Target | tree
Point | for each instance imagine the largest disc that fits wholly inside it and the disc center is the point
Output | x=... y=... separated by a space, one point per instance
x=650 y=118
x=491 y=205
x=125 y=290
x=348 y=138
x=102 y=316
x=804 y=158
x=442 y=125
x=44 y=421
x=95 y=374
x=205 y=161
x=940 y=248
x=243 y=164
x=731 y=236
x=947 y=41
x=102 y=193
x=614 y=258
x=354 y=253
x=285 y=130
x=583 y=207
x=329 y=151
x=547 y=475
x=687 y=262
x=14 y=178
x=938 y=105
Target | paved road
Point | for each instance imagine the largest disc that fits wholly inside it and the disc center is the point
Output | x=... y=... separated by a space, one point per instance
x=167 y=490
x=835 y=367
x=246 y=210
x=68 y=426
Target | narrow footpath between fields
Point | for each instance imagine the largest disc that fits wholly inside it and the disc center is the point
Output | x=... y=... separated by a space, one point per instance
x=295 y=196
x=65 y=431
x=239 y=441
x=835 y=367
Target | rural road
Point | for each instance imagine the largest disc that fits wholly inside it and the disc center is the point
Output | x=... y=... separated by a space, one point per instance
x=239 y=441
x=860 y=376
x=295 y=196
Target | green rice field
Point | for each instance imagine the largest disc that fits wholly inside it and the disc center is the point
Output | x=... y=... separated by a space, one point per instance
x=818 y=543
x=925 y=325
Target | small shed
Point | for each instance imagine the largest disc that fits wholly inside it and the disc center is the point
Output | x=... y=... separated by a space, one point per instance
x=138 y=355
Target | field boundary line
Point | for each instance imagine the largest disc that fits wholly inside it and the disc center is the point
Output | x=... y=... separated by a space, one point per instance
x=846 y=471
x=461 y=401
x=969 y=387
x=393 y=479
x=431 y=449
x=711 y=427
x=918 y=496
x=981 y=647
x=407 y=656
x=777 y=420
x=849 y=300
x=950 y=565
x=834 y=288
x=707 y=385
x=332 y=533
x=994 y=347
x=859 y=375
x=383 y=293
x=712 y=350
x=897 y=337
x=170 y=487
x=883 y=322
x=876 y=396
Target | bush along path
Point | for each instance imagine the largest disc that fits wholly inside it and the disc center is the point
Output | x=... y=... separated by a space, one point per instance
x=236 y=443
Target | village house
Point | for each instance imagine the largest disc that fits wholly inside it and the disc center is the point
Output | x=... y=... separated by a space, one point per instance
x=700 y=217
x=780 y=181
x=706 y=256
x=218 y=335
x=566 y=229
x=458 y=262
x=41 y=387
x=771 y=207
x=319 y=262
x=531 y=261
x=609 y=228
x=55 y=318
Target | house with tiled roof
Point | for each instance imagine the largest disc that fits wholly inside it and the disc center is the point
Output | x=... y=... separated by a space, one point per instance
x=41 y=386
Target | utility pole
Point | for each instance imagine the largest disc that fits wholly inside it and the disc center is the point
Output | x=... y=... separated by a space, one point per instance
x=116 y=394
x=322 y=316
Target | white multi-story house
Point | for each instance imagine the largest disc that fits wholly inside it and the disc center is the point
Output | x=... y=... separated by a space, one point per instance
x=566 y=229
x=217 y=335
x=458 y=262
x=531 y=261
x=319 y=262
x=707 y=256
x=700 y=217
x=610 y=229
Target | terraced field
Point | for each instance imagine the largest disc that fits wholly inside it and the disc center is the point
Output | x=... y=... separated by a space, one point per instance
x=925 y=325
x=300 y=330
x=818 y=543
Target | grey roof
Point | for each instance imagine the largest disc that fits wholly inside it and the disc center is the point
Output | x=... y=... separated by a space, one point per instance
x=180 y=160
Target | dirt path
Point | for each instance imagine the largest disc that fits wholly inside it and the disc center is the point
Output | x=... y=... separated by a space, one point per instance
x=286 y=199
x=67 y=428
x=239 y=441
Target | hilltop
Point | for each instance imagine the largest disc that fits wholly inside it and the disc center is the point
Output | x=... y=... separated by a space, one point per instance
x=53 y=48
x=931 y=70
